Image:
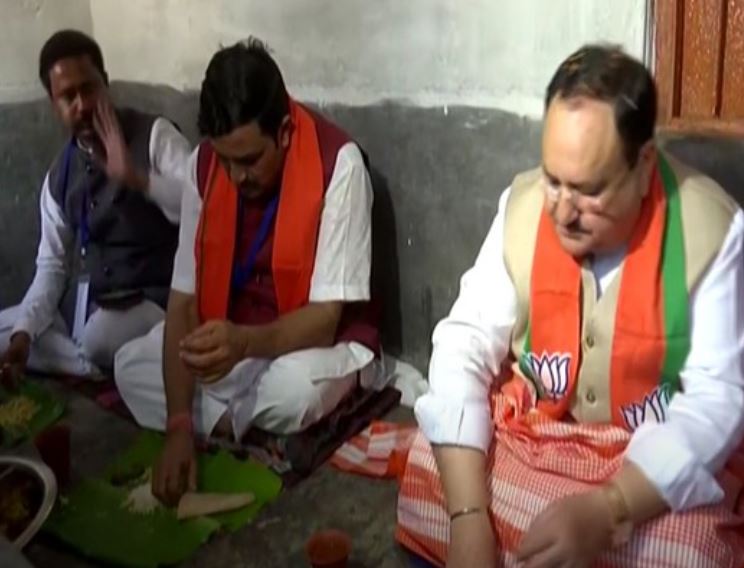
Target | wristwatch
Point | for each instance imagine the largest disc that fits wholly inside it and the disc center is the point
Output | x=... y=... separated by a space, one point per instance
x=622 y=526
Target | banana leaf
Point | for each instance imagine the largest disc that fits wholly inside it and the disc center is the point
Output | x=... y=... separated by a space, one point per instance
x=50 y=409
x=220 y=472
x=92 y=518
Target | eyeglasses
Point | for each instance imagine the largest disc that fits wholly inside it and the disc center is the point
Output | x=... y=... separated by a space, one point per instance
x=576 y=198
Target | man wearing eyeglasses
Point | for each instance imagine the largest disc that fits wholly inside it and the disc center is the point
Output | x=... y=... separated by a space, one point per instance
x=587 y=392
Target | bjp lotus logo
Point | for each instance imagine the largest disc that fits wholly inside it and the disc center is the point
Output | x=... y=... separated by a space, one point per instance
x=549 y=372
x=653 y=408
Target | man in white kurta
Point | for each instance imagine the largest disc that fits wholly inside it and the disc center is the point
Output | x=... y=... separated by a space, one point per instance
x=494 y=477
x=268 y=321
x=119 y=165
x=291 y=392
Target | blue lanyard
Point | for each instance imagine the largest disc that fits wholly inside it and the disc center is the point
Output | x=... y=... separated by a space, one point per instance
x=84 y=228
x=242 y=271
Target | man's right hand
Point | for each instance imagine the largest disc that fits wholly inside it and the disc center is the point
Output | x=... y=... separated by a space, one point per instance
x=175 y=471
x=13 y=361
x=213 y=349
x=472 y=542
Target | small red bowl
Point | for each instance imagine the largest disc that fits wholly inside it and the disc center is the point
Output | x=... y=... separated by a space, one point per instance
x=328 y=549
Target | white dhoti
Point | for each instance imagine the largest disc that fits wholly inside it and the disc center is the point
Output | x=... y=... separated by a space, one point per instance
x=282 y=396
x=54 y=351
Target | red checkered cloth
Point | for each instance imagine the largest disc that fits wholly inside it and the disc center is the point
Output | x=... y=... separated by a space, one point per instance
x=535 y=461
x=379 y=451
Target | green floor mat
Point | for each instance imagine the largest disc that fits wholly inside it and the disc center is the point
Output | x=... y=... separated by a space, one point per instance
x=49 y=410
x=92 y=520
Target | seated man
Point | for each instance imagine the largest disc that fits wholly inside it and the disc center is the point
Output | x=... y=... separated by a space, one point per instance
x=611 y=284
x=108 y=211
x=268 y=321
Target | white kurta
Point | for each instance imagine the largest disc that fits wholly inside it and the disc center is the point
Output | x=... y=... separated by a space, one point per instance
x=53 y=350
x=293 y=391
x=704 y=423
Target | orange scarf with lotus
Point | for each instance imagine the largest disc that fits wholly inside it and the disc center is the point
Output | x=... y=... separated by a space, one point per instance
x=651 y=338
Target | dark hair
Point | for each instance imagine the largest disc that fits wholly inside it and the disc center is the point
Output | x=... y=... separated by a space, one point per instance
x=64 y=44
x=242 y=84
x=606 y=73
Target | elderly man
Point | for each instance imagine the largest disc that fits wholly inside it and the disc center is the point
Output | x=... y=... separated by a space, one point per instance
x=268 y=323
x=109 y=210
x=587 y=388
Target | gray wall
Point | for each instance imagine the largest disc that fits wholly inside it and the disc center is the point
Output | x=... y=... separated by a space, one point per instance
x=438 y=174
x=29 y=138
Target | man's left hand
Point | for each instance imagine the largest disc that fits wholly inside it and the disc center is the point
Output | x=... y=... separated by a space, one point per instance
x=571 y=532
x=212 y=350
x=117 y=161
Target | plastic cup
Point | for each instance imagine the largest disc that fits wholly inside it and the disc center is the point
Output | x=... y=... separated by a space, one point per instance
x=329 y=549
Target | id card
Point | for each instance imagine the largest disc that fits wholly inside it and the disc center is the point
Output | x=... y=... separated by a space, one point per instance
x=81 y=307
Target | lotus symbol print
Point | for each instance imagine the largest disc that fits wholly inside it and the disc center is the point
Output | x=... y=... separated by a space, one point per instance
x=551 y=371
x=653 y=408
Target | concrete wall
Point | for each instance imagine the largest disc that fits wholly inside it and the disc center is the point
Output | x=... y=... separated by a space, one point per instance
x=24 y=27
x=482 y=53
x=445 y=96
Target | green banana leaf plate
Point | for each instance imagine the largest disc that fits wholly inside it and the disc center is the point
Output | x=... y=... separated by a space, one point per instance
x=92 y=517
x=49 y=409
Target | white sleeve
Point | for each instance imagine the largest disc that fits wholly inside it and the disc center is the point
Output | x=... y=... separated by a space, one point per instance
x=169 y=156
x=184 y=264
x=41 y=302
x=469 y=347
x=705 y=422
x=343 y=260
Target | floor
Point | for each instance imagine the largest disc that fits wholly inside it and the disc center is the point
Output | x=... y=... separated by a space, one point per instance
x=328 y=499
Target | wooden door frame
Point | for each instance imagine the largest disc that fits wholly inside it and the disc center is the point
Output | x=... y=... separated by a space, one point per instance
x=667 y=18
